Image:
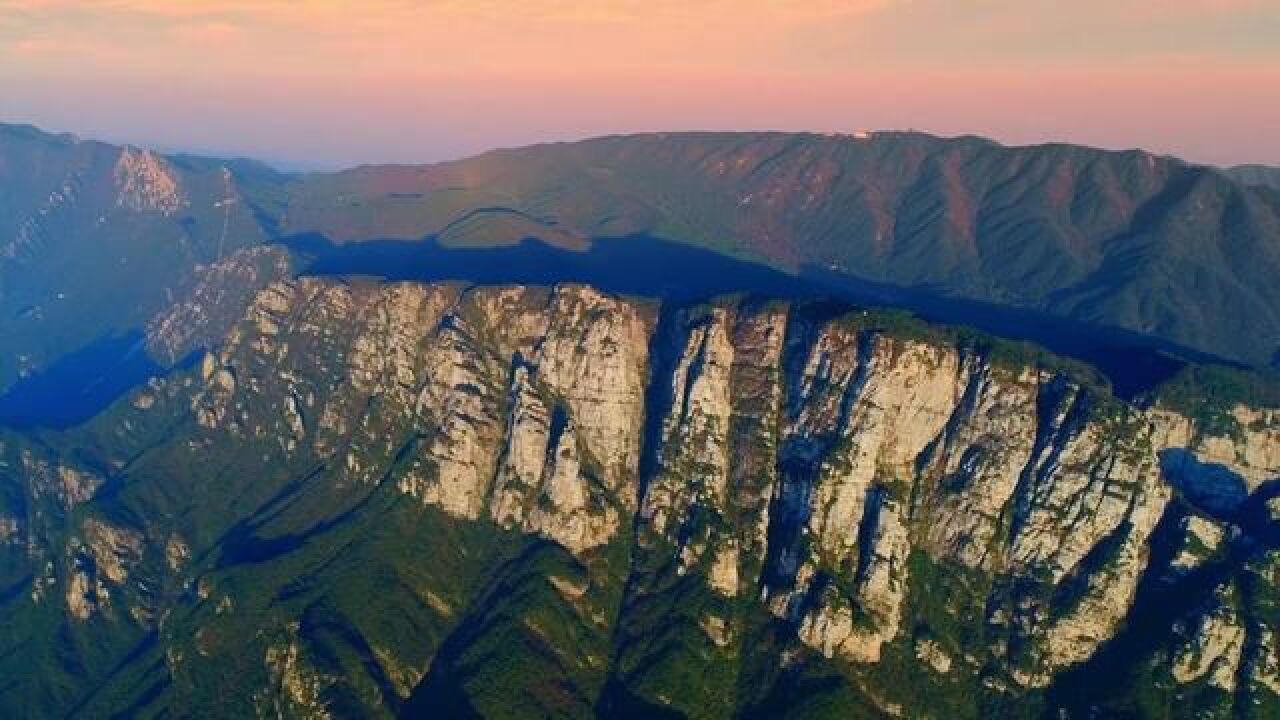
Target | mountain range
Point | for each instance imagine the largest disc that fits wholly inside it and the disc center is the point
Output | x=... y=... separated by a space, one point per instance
x=1125 y=240
x=1152 y=246
x=638 y=427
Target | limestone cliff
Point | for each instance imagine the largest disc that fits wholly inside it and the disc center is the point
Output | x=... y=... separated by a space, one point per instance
x=743 y=492
x=145 y=183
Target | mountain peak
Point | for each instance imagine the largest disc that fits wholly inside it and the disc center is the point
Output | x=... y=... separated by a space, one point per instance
x=145 y=183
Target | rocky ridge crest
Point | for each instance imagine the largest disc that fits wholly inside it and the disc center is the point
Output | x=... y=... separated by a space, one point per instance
x=863 y=494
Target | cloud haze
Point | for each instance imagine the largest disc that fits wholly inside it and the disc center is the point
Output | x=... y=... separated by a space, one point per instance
x=329 y=83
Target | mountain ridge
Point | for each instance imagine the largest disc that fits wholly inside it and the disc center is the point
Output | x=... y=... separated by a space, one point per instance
x=560 y=184
x=1052 y=228
x=382 y=498
x=1261 y=175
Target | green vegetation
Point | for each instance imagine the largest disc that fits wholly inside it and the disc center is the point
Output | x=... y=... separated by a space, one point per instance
x=1000 y=352
x=1209 y=394
x=274 y=578
x=1077 y=232
x=78 y=265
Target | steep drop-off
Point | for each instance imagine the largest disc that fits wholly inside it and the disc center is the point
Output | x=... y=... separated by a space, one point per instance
x=400 y=498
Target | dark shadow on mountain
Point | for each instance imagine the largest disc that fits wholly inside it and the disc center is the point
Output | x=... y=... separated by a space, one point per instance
x=84 y=383
x=450 y=683
x=1106 y=683
x=1133 y=362
x=79 y=385
x=626 y=266
x=675 y=272
x=1211 y=487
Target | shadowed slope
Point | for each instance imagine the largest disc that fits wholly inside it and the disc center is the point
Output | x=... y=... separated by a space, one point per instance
x=1145 y=243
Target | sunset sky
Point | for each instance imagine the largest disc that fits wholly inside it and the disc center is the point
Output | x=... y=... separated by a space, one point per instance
x=323 y=83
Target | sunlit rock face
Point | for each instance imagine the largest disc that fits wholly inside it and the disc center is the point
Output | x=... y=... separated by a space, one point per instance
x=145 y=183
x=522 y=405
x=699 y=490
x=207 y=304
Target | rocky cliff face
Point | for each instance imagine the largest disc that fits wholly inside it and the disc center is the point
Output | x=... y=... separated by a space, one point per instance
x=523 y=406
x=378 y=498
x=145 y=183
x=95 y=239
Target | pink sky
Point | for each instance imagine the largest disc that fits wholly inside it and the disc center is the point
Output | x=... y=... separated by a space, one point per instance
x=322 y=83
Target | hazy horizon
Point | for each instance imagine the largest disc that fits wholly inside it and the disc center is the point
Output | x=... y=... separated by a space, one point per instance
x=324 y=84
x=288 y=165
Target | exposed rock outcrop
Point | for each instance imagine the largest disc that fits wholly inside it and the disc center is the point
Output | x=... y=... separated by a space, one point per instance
x=211 y=301
x=523 y=404
x=145 y=183
x=101 y=559
x=873 y=497
x=1214 y=647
